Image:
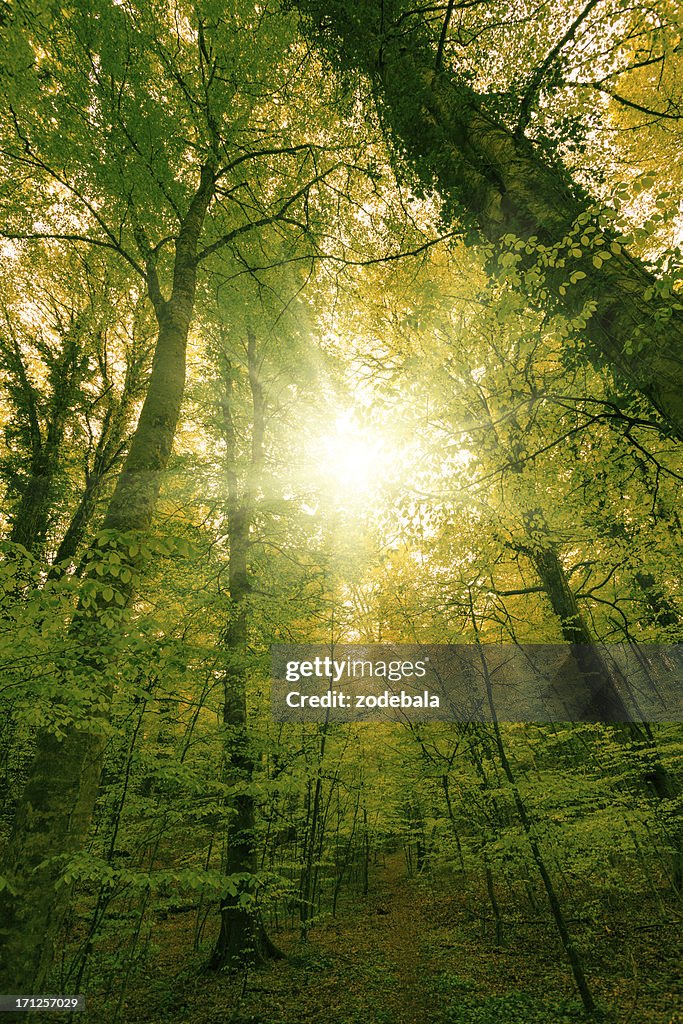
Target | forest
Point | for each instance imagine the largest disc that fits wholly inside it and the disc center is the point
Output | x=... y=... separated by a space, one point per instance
x=326 y=325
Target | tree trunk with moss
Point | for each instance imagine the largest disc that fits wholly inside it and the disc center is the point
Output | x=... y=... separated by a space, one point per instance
x=242 y=937
x=495 y=181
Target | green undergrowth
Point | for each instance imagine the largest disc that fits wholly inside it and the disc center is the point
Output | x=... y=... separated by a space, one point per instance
x=410 y=952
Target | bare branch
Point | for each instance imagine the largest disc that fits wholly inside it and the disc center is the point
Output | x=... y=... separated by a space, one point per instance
x=271 y=219
x=444 y=33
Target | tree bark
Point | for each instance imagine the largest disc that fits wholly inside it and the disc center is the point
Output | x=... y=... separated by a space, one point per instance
x=495 y=181
x=606 y=703
x=57 y=806
x=110 y=448
x=602 y=699
x=44 y=432
x=242 y=937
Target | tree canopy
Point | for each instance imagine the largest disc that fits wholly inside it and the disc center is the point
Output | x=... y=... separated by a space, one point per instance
x=338 y=324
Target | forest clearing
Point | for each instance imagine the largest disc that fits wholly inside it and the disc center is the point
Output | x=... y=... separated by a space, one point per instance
x=331 y=335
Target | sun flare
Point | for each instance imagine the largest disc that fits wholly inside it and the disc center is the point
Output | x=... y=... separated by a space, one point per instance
x=353 y=458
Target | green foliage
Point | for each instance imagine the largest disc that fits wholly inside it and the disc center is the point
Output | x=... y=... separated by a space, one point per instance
x=371 y=449
x=516 y=1008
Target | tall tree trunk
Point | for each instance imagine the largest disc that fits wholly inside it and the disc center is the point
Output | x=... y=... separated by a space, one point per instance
x=568 y=943
x=79 y=522
x=314 y=836
x=606 y=703
x=242 y=936
x=32 y=517
x=495 y=181
x=603 y=699
x=56 y=808
x=110 y=448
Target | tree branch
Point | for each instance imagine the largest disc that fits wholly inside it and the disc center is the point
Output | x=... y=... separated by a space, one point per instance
x=537 y=77
x=636 y=106
x=271 y=219
x=444 y=33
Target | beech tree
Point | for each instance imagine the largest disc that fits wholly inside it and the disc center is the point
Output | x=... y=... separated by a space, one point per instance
x=72 y=366
x=241 y=934
x=493 y=177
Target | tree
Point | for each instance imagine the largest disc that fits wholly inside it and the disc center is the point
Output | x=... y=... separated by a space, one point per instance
x=72 y=366
x=242 y=935
x=545 y=228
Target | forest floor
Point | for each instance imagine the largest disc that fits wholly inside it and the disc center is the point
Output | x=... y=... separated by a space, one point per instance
x=414 y=951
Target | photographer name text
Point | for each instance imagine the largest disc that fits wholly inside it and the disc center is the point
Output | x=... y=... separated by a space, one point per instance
x=340 y=699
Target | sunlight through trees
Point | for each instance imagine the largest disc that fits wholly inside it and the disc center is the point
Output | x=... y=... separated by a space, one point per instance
x=337 y=323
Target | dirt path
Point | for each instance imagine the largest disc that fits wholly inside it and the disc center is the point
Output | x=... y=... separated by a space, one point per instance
x=398 y=929
x=370 y=965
